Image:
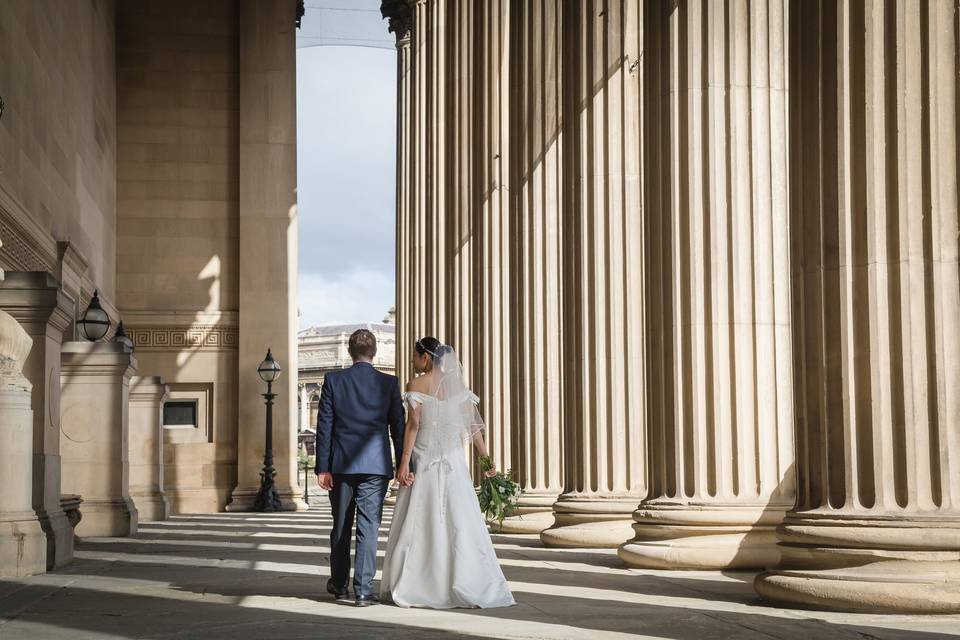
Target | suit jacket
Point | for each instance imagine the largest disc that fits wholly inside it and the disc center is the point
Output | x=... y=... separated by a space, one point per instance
x=357 y=407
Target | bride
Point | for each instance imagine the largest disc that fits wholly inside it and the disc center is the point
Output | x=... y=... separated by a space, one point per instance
x=439 y=554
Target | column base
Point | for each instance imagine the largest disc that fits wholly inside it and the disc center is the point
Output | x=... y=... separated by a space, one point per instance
x=107 y=518
x=590 y=523
x=881 y=587
x=59 y=533
x=533 y=514
x=888 y=565
x=151 y=507
x=23 y=545
x=703 y=537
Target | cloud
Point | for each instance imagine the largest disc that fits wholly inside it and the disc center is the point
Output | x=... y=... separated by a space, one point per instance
x=346 y=157
x=359 y=295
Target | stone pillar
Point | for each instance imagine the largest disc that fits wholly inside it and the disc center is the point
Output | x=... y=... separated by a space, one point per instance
x=23 y=545
x=874 y=143
x=147 y=395
x=418 y=181
x=401 y=23
x=604 y=385
x=535 y=313
x=38 y=303
x=460 y=244
x=94 y=409
x=721 y=423
x=268 y=245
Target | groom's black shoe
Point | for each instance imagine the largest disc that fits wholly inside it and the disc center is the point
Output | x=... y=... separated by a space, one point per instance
x=366 y=601
x=340 y=596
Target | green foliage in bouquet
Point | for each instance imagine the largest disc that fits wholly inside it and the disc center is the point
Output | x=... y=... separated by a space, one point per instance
x=497 y=494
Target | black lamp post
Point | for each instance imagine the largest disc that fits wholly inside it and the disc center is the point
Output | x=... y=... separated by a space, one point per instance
x=267 y=497
x=95 y=322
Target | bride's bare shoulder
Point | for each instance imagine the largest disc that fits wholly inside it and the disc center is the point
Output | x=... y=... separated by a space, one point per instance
x=418 y=384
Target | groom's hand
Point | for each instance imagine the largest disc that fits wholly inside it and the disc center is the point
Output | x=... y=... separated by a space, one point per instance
x=326 y=480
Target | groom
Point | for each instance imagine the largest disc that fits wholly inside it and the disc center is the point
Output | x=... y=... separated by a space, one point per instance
x=357 y=406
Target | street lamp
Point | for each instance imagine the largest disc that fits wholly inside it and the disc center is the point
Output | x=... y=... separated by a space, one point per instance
x=267 y=497
x=95 y=322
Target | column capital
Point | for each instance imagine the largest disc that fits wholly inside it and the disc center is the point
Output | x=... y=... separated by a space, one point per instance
x=400 y=15
x=36 y=299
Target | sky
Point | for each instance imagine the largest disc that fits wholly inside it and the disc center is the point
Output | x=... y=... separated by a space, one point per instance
x=346 y=145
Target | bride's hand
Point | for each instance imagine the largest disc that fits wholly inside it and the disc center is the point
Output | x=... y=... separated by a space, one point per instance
x=492 y=471
x=404 y=477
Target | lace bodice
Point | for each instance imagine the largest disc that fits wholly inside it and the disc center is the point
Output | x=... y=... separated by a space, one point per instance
x=441 y=425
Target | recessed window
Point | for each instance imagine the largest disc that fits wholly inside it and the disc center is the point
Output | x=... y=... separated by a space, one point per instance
x=180 y=414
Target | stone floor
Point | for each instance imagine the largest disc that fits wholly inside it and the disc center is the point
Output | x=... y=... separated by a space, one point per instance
x=242 y=577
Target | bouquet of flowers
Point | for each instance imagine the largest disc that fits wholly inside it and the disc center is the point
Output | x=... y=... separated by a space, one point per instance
x=498 y=494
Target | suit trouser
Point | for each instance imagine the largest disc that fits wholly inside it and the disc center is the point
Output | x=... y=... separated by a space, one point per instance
x=363 y=495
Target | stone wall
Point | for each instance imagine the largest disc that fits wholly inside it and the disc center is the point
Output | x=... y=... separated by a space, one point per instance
x=58 y=136
x=177 y=222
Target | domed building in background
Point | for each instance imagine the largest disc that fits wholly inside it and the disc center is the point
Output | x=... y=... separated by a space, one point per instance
x=323 y=349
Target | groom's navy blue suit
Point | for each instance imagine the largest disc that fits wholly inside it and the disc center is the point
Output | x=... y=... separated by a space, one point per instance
x=357 y=408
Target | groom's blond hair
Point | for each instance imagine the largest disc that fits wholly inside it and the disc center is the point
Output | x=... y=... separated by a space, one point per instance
x=363 y=344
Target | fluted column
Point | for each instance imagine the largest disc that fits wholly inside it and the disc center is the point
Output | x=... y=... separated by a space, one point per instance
x=877 y=309
x=400 y=14
x=536 y=151
x=460 y=236
x=23 y=544
x=603 y=328
x=495 y=352
x=418 y=178
x=721 y=440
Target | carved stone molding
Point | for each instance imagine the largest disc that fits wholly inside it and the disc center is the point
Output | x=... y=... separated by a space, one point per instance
x=197 y=337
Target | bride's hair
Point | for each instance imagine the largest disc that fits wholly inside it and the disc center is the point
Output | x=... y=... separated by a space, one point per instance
x=432 y=347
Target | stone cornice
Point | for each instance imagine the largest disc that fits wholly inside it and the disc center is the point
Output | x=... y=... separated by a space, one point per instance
x=36 y=298
x=26 y=246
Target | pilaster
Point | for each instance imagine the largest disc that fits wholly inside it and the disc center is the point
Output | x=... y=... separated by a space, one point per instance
x=37 y=301
x=94 y=409
x=147 y=395
x=22 y=540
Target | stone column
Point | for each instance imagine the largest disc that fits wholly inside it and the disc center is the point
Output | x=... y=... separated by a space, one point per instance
x=418 y=181
x=147 y=395
x=23 y=545
x=604 y=385
x=874 y=140
x=38 y=303
x=493 y=358
x=536 y=152
x=721 y=423
x=268 y=245
x=401 y=23
x=94 y=409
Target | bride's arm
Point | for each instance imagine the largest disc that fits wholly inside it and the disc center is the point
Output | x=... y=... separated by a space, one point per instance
x=404 y=477
x=480 y=445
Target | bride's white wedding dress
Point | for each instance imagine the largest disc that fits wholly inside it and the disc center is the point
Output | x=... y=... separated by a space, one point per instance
x=439 y=554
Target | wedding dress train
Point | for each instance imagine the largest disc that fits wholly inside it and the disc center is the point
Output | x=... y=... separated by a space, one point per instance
x=439 y=553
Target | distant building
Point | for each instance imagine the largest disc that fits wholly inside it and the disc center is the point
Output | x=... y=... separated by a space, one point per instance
x=324 y=349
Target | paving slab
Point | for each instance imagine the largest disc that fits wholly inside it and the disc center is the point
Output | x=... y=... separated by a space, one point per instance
x=251 y=576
